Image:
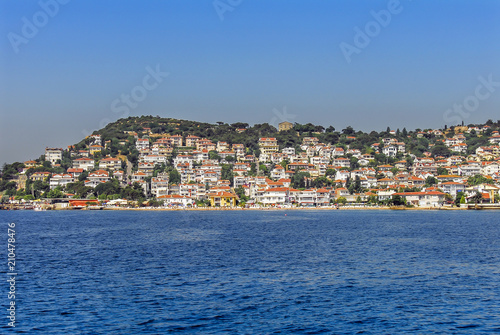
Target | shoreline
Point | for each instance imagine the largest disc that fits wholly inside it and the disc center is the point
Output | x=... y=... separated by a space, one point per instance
x=281 y=209
x=343 y=208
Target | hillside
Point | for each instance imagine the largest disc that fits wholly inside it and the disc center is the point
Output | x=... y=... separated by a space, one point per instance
x=163 y=158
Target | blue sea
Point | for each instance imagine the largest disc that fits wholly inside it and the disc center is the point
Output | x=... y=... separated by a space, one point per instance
x=254 y=272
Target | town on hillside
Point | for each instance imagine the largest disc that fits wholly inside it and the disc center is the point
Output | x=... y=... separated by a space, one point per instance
x=158 y=162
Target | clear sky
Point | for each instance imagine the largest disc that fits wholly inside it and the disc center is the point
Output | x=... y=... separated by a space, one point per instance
x=69 y=67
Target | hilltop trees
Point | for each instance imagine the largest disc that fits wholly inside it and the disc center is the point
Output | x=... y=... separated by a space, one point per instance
x=440 y=150
x=299 y=179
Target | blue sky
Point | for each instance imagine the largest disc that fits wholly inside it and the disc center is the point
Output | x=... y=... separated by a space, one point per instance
x=252 y=61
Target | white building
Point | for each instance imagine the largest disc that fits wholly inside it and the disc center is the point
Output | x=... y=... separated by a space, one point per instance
x=60 y=180
x=53 y=155
x=84 y=163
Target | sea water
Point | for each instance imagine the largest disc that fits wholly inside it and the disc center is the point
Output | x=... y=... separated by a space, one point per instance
x=254 y=272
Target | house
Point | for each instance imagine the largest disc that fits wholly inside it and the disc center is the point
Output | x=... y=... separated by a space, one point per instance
x=120 y=175
x=490 y=168
x=239 y=149
x=222 y=146
x=78 y=204
x=144 y=185
x=222 y=199
x=310 y=141
x=383 y=195
x=337 y=152
x=191 y=140
x=176 y=140
x=31 y=164
x=75 y=172
x=415 y=181
x=390 y=150
x=285 y=125
x=470 y=169
x=146 y=168
x=159 y=185
x=110 y=163
x=341 y=192
x=306 y=197
x=494 y=139
x=154 y=159
x=97 y=177
x=205 y=144
x=138 y=176
x=341 y=162
x=342 y=174
x=278 y=172
x=423 y=199
x=268 y=145
x=40 y=176
x=459 y=147
x=274 y=196
x=83 y=153
x=176 y=200
x=84 y=163
x=94 y=148
x=385 y=182
x=60 y=179
x=96 y=139
x=142 y=143
x=322 y=197
x=452 y=188
x=53 y=155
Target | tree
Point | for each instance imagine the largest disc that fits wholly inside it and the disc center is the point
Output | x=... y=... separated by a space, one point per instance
x=342 y=200
x=78 y=189
x=83 y=176
x=479 y=179
x=440 y=150
x=213 y=155
x=227 y=173
x=174 y=177
x=239 y=125
x=263 y=169
x=354 y=187
x=330 y=172
x=55 y=193
x=133 y=192
x=354 y=162
x=240 y=192
x=253 y=169
x=330 y=129
x=458 y=198
x=321 y=182
x=348 y=130
x=298 y=179
x=107 y=188
x=397 y=200
x=442 y=171
x=429 y=181
x=372 y=199
x=477 y=198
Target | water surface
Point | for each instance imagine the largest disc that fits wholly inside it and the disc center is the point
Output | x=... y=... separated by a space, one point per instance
x=256 y=272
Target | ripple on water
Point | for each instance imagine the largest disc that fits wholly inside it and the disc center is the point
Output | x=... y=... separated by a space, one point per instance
x=310 y=272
